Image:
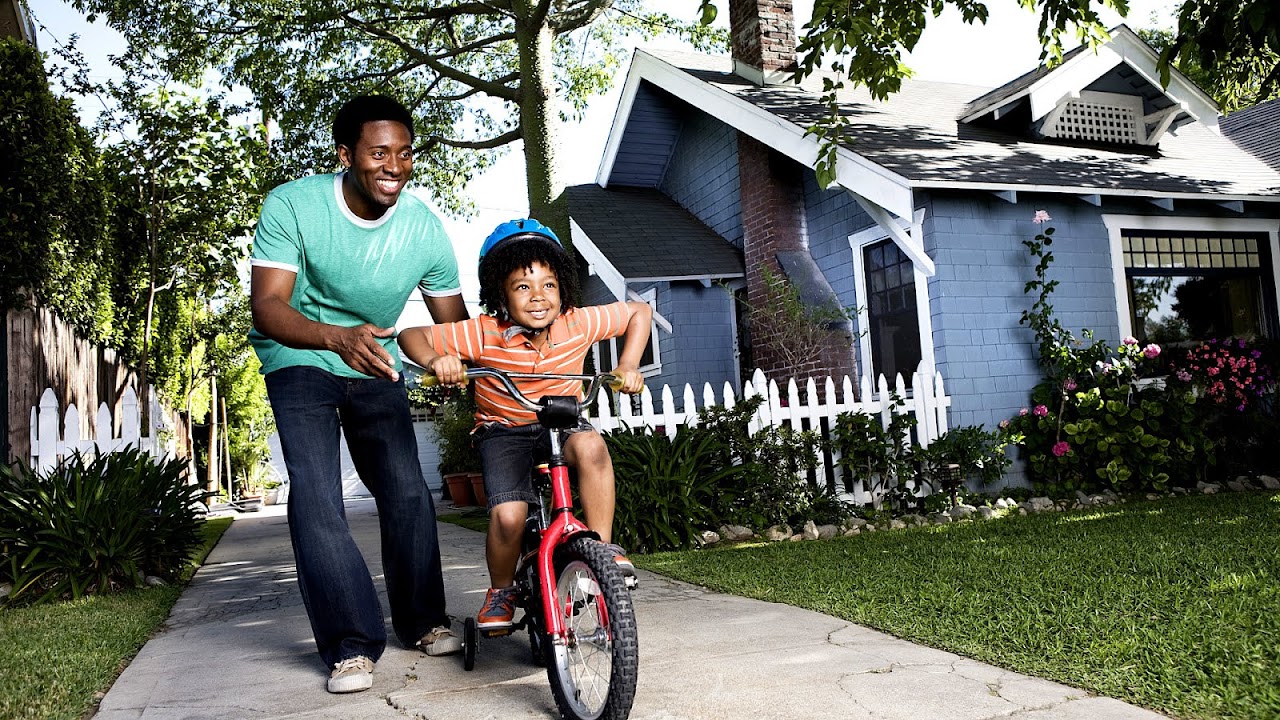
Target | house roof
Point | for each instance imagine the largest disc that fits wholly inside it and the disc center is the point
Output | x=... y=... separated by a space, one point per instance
x=647 y=236
x=1256 y=129
x=913 y=139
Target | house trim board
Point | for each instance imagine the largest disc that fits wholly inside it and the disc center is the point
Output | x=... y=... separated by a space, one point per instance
x=600 y=266
x=1117 y=224
x=1090 y=192
x=882 y=186
x=911 y=245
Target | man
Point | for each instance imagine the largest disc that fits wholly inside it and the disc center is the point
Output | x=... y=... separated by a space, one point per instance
x=334 y=259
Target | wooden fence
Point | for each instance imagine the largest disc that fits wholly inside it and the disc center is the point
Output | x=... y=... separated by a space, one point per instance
x=56 y=435
x=927 y=401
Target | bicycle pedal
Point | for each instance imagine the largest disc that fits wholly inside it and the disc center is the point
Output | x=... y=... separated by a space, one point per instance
x=497 y=632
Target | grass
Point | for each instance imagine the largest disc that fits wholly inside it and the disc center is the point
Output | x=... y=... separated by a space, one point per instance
x=54 y=659
x=472 y=519
x=1173 y=604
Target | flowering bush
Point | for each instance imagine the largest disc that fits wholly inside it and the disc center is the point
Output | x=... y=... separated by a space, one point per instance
x=1091 y=424
x=1230 y=372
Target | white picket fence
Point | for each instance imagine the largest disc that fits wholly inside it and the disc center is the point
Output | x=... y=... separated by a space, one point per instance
x=55 y=436
x=927 y=401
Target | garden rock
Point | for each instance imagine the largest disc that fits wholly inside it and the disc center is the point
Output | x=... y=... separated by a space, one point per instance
x=796 y=538
x=736 y=532
x=5 y=589
x=153 y=581
x=1002 y=504
x=710 y=537
x=1039 y=504
x=1208 y=488
x=939 y=518
x=828 y=531
x=851 y=523
x=912 y=519
x=1236 y=486
x=896 y=524
x=1269 y=482
x=810 y=530
x=777 y=532
x=852 y=531
x=961 y=512
x=986 y=513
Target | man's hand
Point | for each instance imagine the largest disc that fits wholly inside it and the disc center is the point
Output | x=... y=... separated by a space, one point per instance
x=359 y=348
x=448 y=369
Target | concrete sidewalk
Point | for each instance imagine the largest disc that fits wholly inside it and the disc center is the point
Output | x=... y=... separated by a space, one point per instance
x=238 y=645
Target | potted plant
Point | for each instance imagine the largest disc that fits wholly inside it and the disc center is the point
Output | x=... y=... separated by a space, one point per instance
x=458 y=457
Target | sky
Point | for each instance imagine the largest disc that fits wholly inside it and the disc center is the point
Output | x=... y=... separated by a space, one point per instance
x=948 y=51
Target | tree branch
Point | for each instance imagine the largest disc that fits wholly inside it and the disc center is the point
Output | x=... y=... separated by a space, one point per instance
x=580 y=16
x=493 y=142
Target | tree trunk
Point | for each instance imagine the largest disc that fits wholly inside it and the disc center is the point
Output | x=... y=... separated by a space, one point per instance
x=539 y=118
x=214 y=482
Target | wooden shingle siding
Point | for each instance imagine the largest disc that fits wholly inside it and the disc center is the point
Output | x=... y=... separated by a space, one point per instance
x=703 y=175
x=652 y=130
x=700 y=348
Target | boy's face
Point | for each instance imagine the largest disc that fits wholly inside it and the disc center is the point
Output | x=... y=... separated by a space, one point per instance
x=533 y=296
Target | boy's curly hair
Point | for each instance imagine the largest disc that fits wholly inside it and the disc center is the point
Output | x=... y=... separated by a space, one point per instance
x=522 y=253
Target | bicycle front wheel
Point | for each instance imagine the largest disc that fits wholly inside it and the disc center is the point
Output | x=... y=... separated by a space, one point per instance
x=593 y=670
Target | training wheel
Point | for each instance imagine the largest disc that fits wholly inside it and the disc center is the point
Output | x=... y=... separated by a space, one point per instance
x=470 y=638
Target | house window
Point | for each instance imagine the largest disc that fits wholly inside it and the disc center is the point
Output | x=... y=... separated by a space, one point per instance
x=893 y=323
x=606 y=351
x=1186 y=287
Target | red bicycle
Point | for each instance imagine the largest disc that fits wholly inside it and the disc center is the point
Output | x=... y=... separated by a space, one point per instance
x=576 y=602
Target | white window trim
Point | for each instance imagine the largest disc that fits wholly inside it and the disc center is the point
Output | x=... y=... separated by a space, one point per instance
x=1117 y=224
x=857 y=242
x=649 y=297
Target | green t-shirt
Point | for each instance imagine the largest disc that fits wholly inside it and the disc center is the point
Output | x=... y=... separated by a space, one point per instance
x=350 y=271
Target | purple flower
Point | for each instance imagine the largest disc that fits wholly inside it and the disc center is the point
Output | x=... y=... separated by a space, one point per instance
x=1069 y=385
x=1061 y=448
x=1255 y=354
x=1151 y=351
x=1129 y=340
x=1184 y=376
x=1040 y=411
x=1241 y=346
x=1041 y=216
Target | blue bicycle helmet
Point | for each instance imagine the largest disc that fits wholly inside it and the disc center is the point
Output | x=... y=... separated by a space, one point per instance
x=512 y=229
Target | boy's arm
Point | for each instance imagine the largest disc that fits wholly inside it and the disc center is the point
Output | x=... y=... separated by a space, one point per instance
x=634 y=341
x=416 y=344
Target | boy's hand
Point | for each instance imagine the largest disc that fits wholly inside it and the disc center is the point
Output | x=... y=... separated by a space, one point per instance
x=448 y=369
x=632 y=380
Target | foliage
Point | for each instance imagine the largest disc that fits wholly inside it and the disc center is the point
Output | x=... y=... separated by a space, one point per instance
x=1168 y=604
x=979 y=454
x=1092 y=425
x=881 y=459
x=1232 y=372
x=667 y=488
x=769 y=486
x=452 y=428
x=250 y=422
x=95 y=524
x=477 y=76
x=58 y=657
x=52 y=242
x=1237 y=43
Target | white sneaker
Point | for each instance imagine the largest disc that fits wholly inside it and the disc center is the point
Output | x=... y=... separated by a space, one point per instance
x=440 y=641
x=351 y=675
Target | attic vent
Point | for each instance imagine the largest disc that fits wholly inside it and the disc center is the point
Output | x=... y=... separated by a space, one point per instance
x=1098 y=117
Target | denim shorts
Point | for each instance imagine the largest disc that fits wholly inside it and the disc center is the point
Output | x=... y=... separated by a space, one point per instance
x=507 y=456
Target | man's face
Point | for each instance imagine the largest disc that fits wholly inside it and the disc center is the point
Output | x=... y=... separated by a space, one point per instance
x=380 y=164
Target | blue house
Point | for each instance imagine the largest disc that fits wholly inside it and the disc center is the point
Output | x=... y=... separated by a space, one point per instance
x=1165 y=229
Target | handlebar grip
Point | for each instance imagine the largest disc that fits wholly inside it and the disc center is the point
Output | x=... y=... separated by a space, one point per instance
x=614 y=382
x=428 y=381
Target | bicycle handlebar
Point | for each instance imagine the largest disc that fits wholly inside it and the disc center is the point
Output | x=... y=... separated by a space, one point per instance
x=507 y=379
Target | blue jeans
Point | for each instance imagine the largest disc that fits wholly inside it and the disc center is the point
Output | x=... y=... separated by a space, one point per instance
x=337 y=590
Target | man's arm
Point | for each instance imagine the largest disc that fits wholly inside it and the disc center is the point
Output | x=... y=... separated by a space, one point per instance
x=447 y=308
x=270 y=290
x=634 y=341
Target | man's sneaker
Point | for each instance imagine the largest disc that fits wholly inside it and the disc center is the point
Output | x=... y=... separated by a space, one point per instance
x=351 y=675
x=499 y=609
x=440 y=641
x=620 y=559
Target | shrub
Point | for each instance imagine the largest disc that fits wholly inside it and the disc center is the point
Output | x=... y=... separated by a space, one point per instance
x=95 y=524
x=881 y=459
x=977 y=454
x=666 y=488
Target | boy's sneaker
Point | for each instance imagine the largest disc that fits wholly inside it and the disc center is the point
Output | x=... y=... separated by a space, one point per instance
x=620 y=559
x=499 y=609
x=351 y=675
x=440 y=641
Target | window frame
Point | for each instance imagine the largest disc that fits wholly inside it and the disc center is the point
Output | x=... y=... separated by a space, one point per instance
x=1117 y=225
x=924 y=321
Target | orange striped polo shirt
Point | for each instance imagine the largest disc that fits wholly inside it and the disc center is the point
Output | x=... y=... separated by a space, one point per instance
x=480 y=341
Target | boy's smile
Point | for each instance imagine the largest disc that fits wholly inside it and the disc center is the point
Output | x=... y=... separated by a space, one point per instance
x=533 y=296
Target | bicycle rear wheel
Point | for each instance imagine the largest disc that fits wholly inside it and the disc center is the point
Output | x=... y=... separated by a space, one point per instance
x=593 y=671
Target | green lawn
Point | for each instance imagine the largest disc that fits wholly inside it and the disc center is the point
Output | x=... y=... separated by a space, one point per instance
x=1173 y=605
x=54 y=658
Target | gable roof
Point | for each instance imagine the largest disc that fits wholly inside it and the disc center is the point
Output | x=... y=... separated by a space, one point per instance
x=646 y=236
x=913 y=140
x=1256 y=129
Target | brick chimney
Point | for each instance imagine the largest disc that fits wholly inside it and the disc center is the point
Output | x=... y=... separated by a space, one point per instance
x=763 y=40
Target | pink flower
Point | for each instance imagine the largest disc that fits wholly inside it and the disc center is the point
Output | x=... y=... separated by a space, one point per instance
x=1184 y=376
x=1041 y=216
x=1130 y=340
x=1069 y=385
x=1151 y=351
x=1022 y=412
x=1004 y=424
x=1040 y=411
x=1061 y=448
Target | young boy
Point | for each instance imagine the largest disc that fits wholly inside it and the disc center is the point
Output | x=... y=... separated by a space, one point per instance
x=527 y=285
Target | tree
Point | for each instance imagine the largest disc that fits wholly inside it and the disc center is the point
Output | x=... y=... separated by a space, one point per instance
x=1235 y=44
x=476 y=75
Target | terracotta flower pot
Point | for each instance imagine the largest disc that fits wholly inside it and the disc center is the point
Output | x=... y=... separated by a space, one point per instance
x=460 y=489
x=477 y=489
